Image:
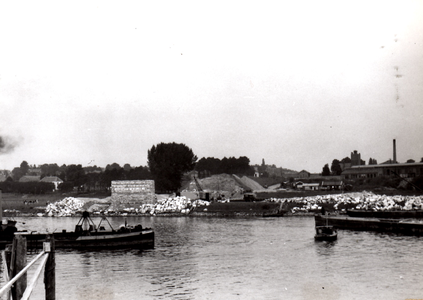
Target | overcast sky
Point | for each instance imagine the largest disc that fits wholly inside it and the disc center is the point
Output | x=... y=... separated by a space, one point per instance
x=298 y=83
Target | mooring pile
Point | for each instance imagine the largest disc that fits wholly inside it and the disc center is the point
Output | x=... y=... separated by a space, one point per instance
x=364 y=201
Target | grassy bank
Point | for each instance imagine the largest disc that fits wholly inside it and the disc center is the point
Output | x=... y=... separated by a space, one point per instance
x=32 y=204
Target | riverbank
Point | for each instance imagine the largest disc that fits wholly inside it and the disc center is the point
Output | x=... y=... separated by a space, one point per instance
x=306 y=204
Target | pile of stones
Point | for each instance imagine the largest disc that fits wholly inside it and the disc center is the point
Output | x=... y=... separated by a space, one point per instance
x=64 y=208
x=72 y=206
x=341 y=202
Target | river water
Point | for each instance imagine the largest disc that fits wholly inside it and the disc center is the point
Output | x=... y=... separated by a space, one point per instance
x=238 y=258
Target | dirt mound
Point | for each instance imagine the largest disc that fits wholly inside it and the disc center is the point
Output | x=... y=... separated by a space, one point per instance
x=221 y=182
x=249 y=183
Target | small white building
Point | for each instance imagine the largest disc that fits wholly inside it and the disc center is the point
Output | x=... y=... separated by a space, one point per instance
x=311 y=186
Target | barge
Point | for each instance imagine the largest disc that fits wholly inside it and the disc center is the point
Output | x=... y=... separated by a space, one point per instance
x=87 y=236
x=388 y=214
x=405 y=227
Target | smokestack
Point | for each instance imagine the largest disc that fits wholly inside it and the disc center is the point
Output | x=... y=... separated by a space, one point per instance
x=395 y=153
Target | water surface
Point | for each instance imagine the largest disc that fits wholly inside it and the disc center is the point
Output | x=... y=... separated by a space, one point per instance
x=239 y=258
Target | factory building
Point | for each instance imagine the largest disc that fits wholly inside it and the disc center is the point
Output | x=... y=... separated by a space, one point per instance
x=391 y=168
x=406 y=170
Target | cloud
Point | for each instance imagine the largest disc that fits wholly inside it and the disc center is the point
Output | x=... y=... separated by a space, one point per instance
x=7 y=145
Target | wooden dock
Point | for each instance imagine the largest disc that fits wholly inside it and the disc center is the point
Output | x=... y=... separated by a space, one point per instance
x=16 y=267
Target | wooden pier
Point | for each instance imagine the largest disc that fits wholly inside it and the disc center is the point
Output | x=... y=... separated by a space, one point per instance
x=15 y=269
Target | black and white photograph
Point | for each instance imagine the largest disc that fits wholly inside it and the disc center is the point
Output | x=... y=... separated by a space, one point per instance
x=211 y=150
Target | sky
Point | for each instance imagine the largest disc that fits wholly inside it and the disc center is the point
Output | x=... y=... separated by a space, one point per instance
x=296 y=83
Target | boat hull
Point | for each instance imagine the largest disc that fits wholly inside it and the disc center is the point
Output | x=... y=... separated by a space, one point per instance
x=371 y=224
x=95 y=240
x=325 y=233
x=329 y=238
x=397 y=214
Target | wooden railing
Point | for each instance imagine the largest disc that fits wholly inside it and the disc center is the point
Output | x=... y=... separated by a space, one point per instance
x=14 y=261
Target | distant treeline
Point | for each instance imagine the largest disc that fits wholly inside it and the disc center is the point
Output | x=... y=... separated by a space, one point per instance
x=73 y=176
x=35 y=188
x=211 y=166
x=93 y=178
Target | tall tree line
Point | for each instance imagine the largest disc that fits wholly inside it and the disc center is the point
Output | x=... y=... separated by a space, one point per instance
x=211 y=166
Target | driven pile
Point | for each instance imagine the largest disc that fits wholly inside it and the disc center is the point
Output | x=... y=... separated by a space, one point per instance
x=363 y=201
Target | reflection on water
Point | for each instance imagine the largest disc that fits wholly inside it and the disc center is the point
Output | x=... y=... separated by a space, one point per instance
x=240 y=258
x=325 y=248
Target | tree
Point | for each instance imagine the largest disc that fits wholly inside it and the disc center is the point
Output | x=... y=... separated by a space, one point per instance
x=168 y=162
x=24 y=167
x=372 y=161
x=113 y=166
x=76 y=174
x=326 y=171
x=49 y=170
x=336 y=167
x=139 y=173
x=346 y=160
x=17 y=174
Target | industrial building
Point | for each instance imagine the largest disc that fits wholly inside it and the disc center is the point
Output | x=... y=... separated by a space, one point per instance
x=391 y=168
x=405 y=170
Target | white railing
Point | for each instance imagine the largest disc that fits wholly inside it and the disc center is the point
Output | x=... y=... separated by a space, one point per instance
x=42 y=257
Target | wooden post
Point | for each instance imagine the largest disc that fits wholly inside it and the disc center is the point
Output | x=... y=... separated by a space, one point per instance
x=18 y=262
x=7 y=258
x=50 y=272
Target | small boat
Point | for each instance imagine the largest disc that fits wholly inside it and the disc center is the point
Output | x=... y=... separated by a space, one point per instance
x=89 y=236
x=325 y=233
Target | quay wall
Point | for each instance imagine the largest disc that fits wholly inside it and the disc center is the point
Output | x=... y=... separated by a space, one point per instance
x=133 y=192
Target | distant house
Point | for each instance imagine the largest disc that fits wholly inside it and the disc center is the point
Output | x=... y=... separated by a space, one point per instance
x=314 y=186
x=53 y=179
x=299 y=184
x=303 y=174
x=3 y=177
x=29 y=178
x=332 y=185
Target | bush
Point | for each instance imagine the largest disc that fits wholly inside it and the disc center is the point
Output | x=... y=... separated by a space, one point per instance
x=418 y=182
x=66 y=186
x=35 y=188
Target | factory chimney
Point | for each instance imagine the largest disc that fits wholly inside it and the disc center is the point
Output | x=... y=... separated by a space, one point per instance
x=395 y=153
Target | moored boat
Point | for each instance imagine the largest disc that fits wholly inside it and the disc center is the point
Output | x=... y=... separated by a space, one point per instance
x=325 y=233
x=405 y=227
x=389 y=214
x=89 y=236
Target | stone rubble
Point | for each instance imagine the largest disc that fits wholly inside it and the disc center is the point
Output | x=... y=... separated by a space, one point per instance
x=183 y=206
x=362 y=201
x=64 y=208
x=179 y=205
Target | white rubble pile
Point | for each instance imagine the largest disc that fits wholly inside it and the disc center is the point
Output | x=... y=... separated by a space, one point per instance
x=364 y=201
x=64 y=208
x=181 y=205
x=70 y=206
